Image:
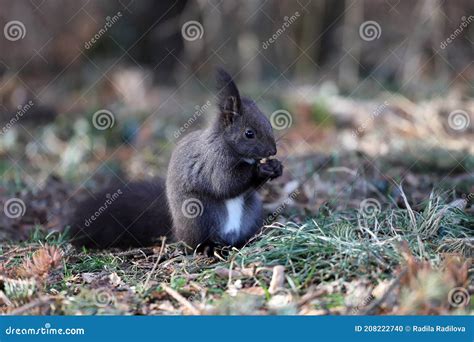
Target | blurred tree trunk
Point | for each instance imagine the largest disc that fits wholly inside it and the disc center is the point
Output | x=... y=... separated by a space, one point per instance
x=351 y=45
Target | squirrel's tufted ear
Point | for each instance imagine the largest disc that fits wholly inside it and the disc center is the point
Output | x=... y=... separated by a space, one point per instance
x=229 y=102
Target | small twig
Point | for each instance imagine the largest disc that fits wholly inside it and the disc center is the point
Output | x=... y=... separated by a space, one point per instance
x=309 y=296
x=229 y=281
x=278 y=279
x=218 y=256
x=343 y=169
x=371 y=309
x=4 y=299
x=32 y=305
x=156 y=263
x=137 y=251
x=183 y=301
x=17 y=251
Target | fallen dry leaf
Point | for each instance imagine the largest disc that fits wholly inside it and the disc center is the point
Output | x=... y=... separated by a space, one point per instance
x=41 y=263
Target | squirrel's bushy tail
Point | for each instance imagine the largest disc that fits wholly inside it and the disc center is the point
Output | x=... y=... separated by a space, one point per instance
x=132 y=215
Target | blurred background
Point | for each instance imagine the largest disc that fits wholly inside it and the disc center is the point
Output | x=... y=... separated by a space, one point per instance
x=378 y=92
x=372 y=106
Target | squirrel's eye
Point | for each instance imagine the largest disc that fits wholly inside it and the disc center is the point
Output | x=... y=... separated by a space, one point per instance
x=250 y=134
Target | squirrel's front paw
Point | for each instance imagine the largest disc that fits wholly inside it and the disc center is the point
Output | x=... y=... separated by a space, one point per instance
x=271 y=169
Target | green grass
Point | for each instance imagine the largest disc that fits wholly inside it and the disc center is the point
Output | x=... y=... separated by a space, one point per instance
x=331 y=246
x=54 y=238
x=345 y=244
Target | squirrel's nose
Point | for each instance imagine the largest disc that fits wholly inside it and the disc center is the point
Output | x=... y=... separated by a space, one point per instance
x=272 y=151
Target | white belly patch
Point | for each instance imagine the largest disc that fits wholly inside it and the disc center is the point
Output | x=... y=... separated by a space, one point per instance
x=235 y=208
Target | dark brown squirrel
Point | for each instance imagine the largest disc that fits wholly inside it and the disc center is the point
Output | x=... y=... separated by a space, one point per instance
x=209 y=197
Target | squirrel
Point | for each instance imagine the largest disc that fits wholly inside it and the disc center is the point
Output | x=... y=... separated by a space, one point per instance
x=210 y=194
